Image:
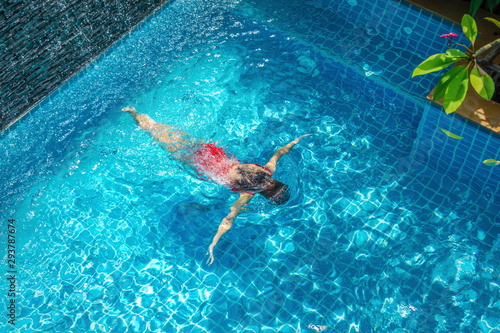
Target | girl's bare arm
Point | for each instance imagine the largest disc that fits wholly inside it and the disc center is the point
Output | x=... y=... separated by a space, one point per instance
x=282 y=151
x=227 y=222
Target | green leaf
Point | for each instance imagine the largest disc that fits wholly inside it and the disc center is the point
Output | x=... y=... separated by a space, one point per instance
x=492 y=4
x=451 y=135
x=434 y=63
x=474 y=6
x=482 y=84
x=469 y=27
x=492 y=20
x=456 y=90
x=491 y=162
x=444 y=81
x=454 y=53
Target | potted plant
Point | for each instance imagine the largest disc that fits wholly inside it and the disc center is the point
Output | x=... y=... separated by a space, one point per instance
x=469 y=69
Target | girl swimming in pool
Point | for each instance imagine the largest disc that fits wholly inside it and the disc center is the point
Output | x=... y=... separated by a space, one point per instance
x=213 y=163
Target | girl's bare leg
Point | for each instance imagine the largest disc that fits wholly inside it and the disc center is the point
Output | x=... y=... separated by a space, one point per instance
x=174 y=141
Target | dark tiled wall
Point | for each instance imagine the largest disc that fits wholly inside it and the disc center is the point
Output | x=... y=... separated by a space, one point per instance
x=43 y=43
x=457 y=164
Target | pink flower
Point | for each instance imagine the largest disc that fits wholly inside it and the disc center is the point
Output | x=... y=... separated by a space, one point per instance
x=451 y=34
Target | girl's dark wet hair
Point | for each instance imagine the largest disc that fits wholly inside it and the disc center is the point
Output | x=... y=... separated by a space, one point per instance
x=262 y=182
x=277 y=193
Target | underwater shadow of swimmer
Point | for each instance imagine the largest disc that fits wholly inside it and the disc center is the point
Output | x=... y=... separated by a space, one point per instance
x=186 y=222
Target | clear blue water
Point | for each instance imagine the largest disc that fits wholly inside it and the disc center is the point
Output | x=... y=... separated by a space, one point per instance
x=113 y=233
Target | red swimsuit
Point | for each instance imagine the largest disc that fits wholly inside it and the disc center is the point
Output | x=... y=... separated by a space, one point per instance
x=212 y=163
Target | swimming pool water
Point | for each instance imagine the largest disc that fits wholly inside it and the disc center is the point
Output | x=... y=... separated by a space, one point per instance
x=113 y=234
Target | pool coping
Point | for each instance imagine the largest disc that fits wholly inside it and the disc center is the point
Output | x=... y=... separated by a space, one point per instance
x=483 y=112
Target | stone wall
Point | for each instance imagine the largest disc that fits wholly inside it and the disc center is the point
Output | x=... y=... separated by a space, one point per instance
x=43 y=43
